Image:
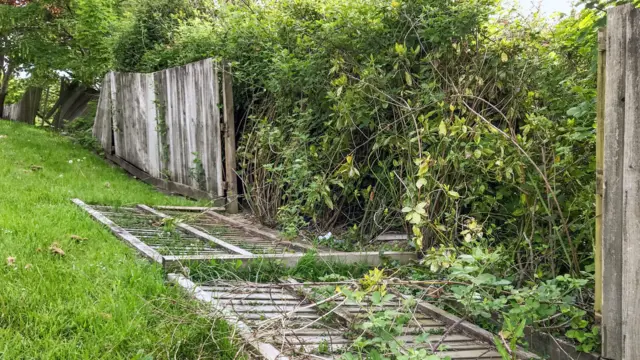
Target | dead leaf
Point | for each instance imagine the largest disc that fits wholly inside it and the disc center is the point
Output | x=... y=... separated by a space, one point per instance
x=3 y=136
x=38 y=250
x=78 y=238
x=11 y=260
x=106 y=316
x=28 y=266
x=55 y=249
x=107 y=185
x=36 y=167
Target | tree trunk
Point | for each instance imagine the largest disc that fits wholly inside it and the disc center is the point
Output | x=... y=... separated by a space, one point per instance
x=3 y=96
x=4 y=87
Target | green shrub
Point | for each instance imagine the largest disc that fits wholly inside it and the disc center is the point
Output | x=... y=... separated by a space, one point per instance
x=420 y=115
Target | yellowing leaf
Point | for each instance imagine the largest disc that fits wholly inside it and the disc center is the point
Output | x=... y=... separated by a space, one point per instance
x=442 y=129
x=407 y=78
x=413 y=218
x=421 y=182
x=419 y=242
x=504 y=57
x=454 y=194
x=416 y=231
x=477 y=153
x=451 y=107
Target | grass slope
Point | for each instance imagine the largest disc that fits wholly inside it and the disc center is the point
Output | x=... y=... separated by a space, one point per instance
x=99 y=300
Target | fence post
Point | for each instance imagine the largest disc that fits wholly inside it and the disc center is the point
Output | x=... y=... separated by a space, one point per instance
x=229 y=140
x=612 y=220
x=602 y=52
x=631 y=187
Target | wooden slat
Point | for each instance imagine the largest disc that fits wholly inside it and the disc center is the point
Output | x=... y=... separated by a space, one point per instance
x=267 y=350
x=463 y=326
x=470 y=354
x=612 y=221
x=273 y=308
x=253 y=316
x=143 y=248
x=189 y=208
x=256 y=302
x=224 y=296
x=198 y=233
x=310 y=340
x=102 y=127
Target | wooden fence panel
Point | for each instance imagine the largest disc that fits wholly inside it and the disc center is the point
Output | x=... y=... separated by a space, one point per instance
x=188 y=98
x=167 y=124
x=26 y=109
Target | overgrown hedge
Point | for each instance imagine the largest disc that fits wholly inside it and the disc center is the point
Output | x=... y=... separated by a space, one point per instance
x=455 y=120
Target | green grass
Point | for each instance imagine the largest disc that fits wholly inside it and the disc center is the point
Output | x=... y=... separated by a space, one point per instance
x=100 y=300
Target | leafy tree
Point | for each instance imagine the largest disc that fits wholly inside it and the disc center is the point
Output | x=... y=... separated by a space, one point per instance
x=49 y=39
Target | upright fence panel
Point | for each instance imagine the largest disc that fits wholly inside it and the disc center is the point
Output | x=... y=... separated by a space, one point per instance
x=621 y=201
x=190 y=125
x=165 y=125
x=26 y=109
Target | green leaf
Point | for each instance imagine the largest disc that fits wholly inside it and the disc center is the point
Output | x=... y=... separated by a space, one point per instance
x=483 y=279
x=387 y=298
x=328 y=202
x=453 y=194
x=376 y=298
x=407 y=78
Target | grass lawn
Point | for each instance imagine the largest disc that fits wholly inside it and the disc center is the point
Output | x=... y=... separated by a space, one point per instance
x=100 y=300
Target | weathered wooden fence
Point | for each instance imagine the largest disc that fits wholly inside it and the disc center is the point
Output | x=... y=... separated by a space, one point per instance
x=26 y=109
x=620 y=242
x=165 y=126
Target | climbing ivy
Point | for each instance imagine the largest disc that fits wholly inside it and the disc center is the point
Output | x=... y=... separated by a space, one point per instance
x=162 y=130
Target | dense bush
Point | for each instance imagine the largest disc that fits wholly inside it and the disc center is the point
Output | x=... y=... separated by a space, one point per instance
x=456 y=120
